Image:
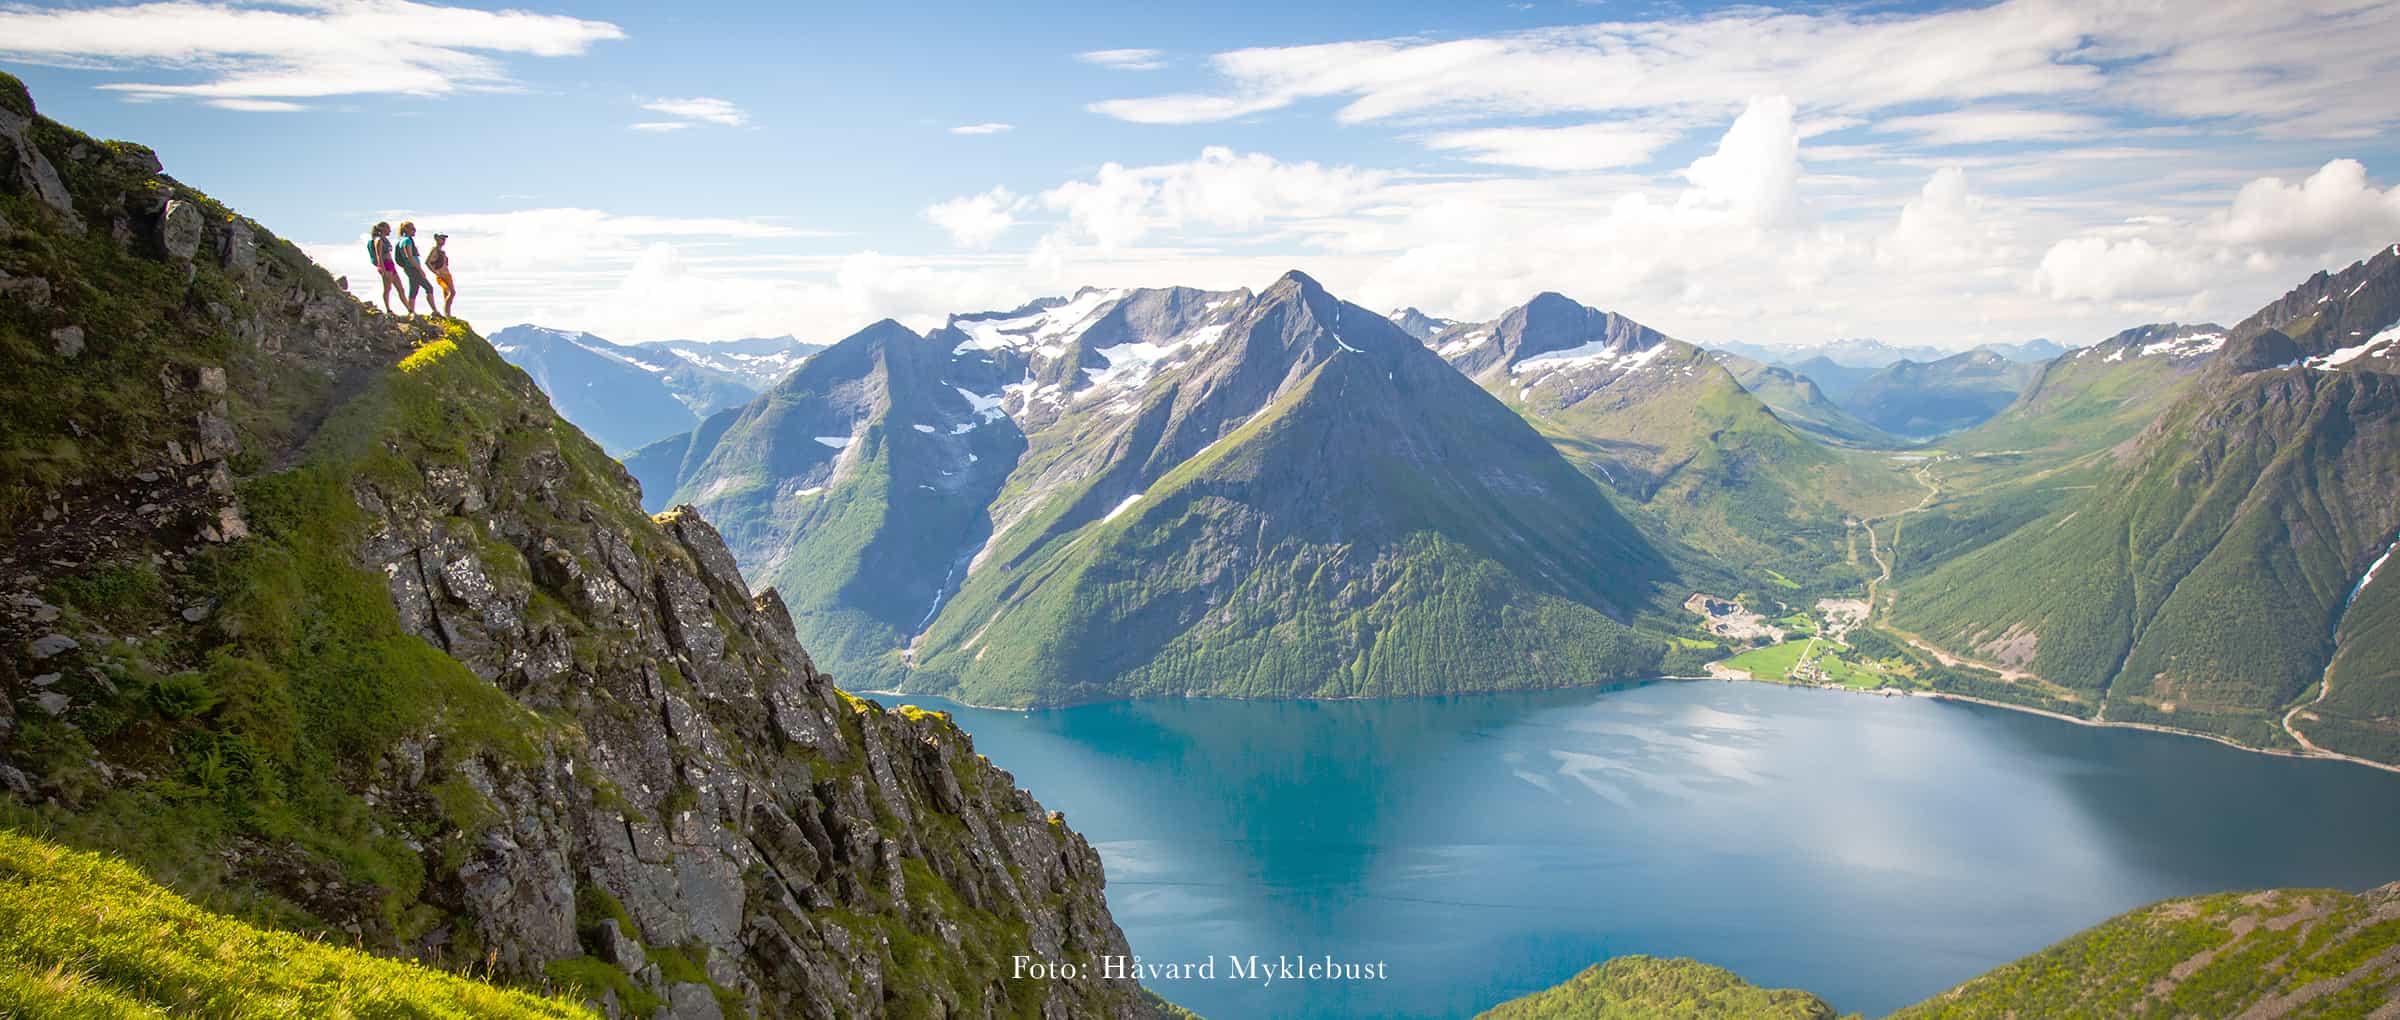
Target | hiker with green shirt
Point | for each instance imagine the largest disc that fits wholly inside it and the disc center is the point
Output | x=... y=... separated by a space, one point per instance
x=406 y=255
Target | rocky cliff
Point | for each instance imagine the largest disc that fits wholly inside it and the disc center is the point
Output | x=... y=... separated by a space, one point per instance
x=329 y=620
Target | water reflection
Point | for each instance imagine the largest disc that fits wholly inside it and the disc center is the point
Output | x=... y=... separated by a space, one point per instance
x=1875 y=851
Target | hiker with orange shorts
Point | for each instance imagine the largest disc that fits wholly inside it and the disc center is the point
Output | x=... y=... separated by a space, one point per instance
x=438 y=261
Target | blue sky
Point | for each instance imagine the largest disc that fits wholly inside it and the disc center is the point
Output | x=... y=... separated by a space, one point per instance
x=1920 y=173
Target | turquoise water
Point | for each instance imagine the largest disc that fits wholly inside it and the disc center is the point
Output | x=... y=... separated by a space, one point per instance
x=1872 y=850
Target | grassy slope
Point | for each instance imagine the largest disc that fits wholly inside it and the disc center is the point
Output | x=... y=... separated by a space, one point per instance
x=2325 y=953
x=2312 y=953
x=1715 y=471
x=1648 y=988
x=85 y=936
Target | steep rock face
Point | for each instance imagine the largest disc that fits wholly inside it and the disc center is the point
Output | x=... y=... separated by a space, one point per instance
x=331 y=618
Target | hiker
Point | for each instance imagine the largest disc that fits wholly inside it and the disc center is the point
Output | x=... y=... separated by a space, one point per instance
x=406 y=255
x=438 y=260
x=379 y=252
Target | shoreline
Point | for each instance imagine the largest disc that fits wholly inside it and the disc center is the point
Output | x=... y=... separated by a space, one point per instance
x=1879 y=692
x=2333 y=756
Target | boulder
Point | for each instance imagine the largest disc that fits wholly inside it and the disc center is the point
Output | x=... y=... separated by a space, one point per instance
x=179 y=229
x=29 y=171
x=67 y=341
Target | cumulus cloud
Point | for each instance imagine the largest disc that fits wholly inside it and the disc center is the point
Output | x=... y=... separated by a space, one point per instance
x=2334 y=208
x=975 y=221
x=261 y=53
x=1755 y=172
x=1124 y=60
x=1944 y=226
x=2096 y=268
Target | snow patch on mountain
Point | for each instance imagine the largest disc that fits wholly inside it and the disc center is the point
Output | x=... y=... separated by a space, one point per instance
x=1131 y=364
x=1597 y=352
x=2191 y=346
x=987 y=406
x=1042 y=331
x=1122 y=507
x=2335 y=360
x=837 y=442
x=1467 y=341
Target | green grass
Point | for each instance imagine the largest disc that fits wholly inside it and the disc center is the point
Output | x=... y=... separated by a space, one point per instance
x=2231 y=961
x=1772 y=662
x=1649 y=988
x=2316 y=953
x=82 y=935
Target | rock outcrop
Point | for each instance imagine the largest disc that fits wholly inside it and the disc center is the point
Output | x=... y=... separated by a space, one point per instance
x=329 y=619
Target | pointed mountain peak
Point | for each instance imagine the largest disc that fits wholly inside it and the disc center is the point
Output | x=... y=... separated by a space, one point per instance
x=1307 y=285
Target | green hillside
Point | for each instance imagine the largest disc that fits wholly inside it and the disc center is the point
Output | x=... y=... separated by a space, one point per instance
x=84 y=936
x=2275 y=955
x=1649 y=988
x=1377 y=526
x=2280 y=953
x=1929 y=398
x=1739 y=496
x=2194 y=572
x=1802 y=404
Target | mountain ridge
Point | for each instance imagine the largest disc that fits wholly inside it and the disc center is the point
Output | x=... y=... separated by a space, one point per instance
x=328 y=618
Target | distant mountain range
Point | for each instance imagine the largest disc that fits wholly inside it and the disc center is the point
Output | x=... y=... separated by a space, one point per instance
x=1168 y=491
x=1873 y=354
x=1277 y=493
x=628 y=395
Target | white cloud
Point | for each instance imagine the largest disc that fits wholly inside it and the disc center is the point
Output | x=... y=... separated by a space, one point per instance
x=2296 y=68
x=696 y=110
x=1125 y=60
x=1222 y=190
x=988 y=128
x=2335 y=208
x=1976 y=125
x=975 y=221
x=1580 y=147
x=2096 y=268
x=294 y=51
x=1755 y=172
x=257 y=105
